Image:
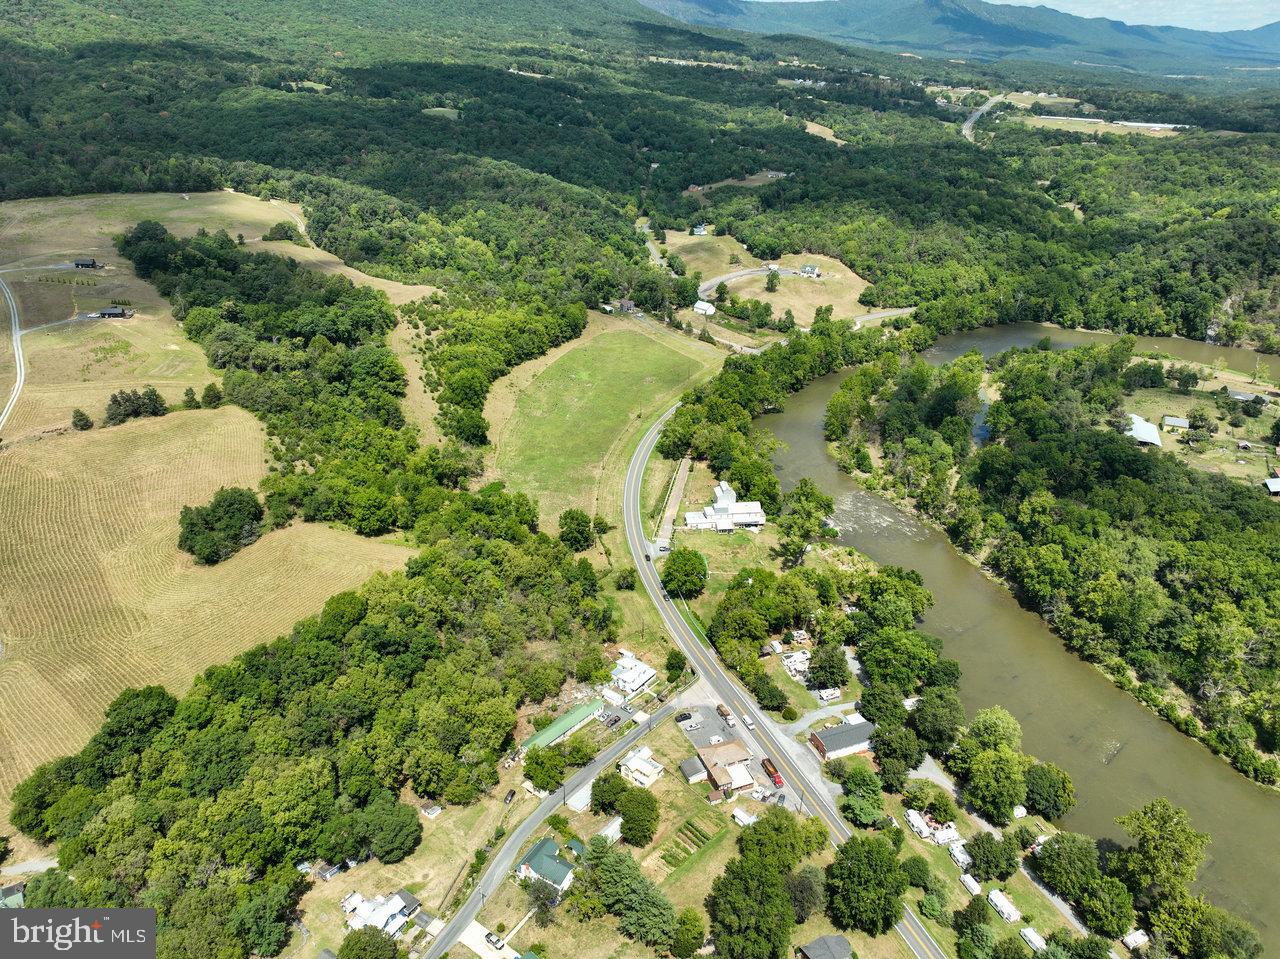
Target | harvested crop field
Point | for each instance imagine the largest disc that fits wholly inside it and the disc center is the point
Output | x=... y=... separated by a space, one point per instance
x=97 y=595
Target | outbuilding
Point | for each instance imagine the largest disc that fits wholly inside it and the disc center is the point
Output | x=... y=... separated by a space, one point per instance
x=693 y=770
x=1143 y=431
x=826 y=947
x=1272 y=485
x=704 y=308
x=970 y=884
x=85 y=263
x=1176 y=423
x=113 y=312
x=1135 y=939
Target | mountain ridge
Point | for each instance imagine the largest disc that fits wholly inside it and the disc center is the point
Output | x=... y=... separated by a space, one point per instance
x=991 y=31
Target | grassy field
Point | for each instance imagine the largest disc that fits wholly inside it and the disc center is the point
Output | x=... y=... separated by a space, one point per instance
x=1221 y=454
x=419 y=405
x=710 y=255
x=1073 y=125
x=818 y=130
x=838 y=286
x=97 y=595
x=1027 y=100
x=755 y=179
x=323 y=261
x=562 y=421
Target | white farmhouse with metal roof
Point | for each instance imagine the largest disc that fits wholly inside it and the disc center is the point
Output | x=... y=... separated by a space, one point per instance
x=726 y=514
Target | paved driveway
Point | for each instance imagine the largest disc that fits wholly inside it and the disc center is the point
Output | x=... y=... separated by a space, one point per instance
x=473 y=938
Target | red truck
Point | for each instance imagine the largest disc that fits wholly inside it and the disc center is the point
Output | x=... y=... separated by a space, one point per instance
x=771 y=771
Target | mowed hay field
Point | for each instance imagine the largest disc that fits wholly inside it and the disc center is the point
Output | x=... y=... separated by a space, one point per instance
x=97 y=597
x=560 y=435
x=838 y=286
x=80 y=362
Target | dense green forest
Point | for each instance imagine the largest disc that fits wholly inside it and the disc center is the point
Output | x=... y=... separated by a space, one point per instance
x=1162 y=574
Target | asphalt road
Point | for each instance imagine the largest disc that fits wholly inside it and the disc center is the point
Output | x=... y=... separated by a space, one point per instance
x=15 y=326
x=975 y=116
x=504 y=860
x=766 y=736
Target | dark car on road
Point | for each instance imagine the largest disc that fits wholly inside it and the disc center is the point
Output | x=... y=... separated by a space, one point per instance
x=511 y=795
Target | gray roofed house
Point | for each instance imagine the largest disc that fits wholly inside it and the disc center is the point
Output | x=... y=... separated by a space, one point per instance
x=1177 y=422
x=1241 y=396
x=843 y=740
x=411 y=903
x=693 y=770
x=826 y=947
x=1272 y=485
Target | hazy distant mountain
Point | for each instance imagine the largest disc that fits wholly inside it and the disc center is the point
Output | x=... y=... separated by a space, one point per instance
x=975 y=29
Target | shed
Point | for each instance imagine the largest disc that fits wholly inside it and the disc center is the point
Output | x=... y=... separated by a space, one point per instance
x=1176 y=423
x=1033 y=939
x=972 y=885
x=1003 y=906
x=704 y=308
x=826 y=947
x=324 y=870
x=743 y=818
x=1272 y=485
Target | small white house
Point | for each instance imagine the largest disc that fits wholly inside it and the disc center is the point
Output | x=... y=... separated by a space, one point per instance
x=827 y=695
x=1003 y=906
x=639 y=768
x=703 y=308
x=959 y=855
x=972 y=885
x=386 y=913
x=631 y=674
x=1033 y=939
x=743 y=818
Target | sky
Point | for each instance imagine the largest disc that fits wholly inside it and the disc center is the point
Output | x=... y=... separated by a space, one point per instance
x=1198 y=14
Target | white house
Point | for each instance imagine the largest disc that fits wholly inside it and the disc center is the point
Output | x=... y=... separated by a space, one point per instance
x=1003 y=906
x=726 y=514
x=703 y=308
x=827 y=695
x=387 y=913
x=630 y=674
x=1143 y=431
x=639 y=768
x=796 y=663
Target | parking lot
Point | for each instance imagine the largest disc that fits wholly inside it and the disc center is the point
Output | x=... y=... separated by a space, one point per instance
x=706 y=727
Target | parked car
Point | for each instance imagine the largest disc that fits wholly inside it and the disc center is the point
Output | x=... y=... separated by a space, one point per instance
x=613 y=721
x=510 y=797
x=684 y=717
x=628 y=708
x=693 y=727
x=494 y=940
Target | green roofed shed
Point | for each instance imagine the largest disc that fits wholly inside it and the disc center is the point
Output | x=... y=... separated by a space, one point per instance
x=563 y=726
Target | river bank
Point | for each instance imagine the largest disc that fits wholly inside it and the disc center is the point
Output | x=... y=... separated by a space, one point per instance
x=1118 y=752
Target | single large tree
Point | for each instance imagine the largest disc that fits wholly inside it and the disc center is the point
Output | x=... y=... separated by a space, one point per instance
x=684 y=574
x=1166 y=851
x=865 y=885
x=751 y=913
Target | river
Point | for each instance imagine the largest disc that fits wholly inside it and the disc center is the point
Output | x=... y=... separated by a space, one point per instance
x=1119 y=754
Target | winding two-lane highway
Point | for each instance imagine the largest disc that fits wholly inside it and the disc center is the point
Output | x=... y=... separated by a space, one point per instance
x=813 y=792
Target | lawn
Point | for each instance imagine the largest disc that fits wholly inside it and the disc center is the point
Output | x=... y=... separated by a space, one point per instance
x=566 y=422
x=97 y=595
x=838 y=286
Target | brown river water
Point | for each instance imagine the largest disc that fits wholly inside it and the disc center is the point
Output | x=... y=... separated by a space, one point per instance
x=1119 y=754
